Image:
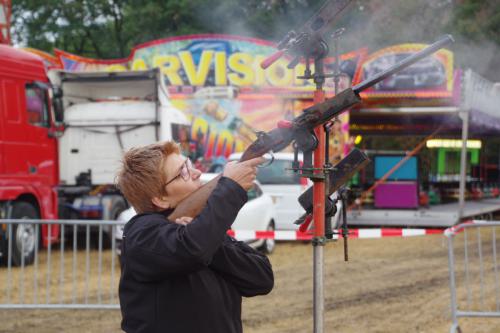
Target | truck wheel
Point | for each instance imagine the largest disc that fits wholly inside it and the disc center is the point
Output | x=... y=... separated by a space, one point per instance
x=269 y=244
x=23 y=233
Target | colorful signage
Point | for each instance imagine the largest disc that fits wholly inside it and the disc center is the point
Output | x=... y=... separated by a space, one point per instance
x=212 y=60
x=431 y=77
x=218 y=82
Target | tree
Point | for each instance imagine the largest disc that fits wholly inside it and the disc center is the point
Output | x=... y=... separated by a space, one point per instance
x=110 y=28
x=477 y=25
x=92 y=28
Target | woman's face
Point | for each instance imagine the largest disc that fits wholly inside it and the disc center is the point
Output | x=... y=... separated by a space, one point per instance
x=181 y=180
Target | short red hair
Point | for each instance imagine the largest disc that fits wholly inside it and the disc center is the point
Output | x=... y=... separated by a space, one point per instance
x=141 y=177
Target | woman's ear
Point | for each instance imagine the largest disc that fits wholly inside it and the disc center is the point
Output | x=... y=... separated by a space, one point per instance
x=161 y=202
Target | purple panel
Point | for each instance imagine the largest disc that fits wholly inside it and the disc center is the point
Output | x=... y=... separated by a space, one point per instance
x=396 y=195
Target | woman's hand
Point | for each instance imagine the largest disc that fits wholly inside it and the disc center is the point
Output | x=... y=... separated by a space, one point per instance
x=243 y=173
x=185 y=220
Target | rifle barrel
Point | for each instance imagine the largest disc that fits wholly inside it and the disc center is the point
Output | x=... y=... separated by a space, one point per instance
x=445 y=40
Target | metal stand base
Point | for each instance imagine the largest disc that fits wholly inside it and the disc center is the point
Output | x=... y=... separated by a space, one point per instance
x=319 y=305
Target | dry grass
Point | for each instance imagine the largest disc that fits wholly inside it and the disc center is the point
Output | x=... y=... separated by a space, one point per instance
x=389 y=285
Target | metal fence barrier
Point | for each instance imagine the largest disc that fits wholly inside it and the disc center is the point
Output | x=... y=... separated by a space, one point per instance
x=473 y=269
x=79 y=271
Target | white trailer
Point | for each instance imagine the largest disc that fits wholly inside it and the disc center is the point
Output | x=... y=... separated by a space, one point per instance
x=105 y=114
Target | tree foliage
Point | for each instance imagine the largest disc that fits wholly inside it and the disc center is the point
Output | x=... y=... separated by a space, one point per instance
x=110 y=28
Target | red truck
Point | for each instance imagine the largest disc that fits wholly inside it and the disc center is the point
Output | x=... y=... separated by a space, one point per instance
x=28 y=149
x=62 y=135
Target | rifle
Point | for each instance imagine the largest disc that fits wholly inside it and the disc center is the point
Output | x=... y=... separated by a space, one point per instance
x=302 y=125
x=342 y=171
x=307 y=37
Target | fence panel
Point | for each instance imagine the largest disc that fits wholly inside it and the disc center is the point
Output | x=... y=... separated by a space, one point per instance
x=473 y=269
x=79 y=270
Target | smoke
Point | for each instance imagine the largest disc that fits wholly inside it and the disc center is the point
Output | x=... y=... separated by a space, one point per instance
x=369 y=23
x=267 y=19
x=378 y=24
x=482 y=57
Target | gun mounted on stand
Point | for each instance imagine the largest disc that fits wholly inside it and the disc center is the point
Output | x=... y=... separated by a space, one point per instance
x=308 y=39
x=311 y=129
x=300 y=129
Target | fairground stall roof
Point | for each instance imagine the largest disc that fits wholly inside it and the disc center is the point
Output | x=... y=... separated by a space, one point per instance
x=427 y=96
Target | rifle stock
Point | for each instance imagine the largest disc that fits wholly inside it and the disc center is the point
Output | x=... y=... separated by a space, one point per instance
x=192 y=205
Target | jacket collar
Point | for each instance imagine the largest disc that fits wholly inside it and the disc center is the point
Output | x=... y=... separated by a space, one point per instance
x=166 y=212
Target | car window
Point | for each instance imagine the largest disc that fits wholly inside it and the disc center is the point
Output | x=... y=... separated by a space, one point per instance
x=277 y=173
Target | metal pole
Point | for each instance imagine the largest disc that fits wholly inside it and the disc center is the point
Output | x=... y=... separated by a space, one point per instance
x=464 y=114
x=35 y=275
x=21 y=289
x=337 y=64
x=9 y=262
x=451 y=269
x=319 y=207
x=463 y=164
x=73 y=290
x=466 y=270
x=495 y=267
x=99 y=274
x=49 y=264
x=319 y=306
x=61 y=269
x=87 y=262
x=481 y=266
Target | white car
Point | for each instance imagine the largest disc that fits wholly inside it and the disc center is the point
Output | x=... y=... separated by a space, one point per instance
x=257 y=214
x=285 y=187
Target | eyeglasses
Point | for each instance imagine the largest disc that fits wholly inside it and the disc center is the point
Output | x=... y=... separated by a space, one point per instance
x=185 y=172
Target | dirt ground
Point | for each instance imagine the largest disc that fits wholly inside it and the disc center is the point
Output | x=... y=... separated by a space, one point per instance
x=388 y=285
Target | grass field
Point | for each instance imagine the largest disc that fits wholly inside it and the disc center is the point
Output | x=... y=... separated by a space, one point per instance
x=389 y=285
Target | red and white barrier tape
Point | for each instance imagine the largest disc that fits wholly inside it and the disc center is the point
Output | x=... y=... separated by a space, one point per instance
x=353 y=233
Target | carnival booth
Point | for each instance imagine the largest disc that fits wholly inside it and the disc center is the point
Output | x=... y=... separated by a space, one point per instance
x=430 y=131
x=426 y=128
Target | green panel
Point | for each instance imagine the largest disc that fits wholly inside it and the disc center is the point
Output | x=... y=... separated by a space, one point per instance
x=441 y=165
x=474 y=158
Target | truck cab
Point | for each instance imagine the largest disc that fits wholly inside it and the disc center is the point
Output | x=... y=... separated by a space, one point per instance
x=62 y=136
x=29 y=171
